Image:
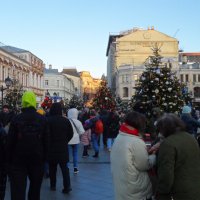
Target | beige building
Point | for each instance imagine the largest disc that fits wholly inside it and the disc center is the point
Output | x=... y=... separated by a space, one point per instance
x=24 y=66
x=89 y=85
x=72 y=74
x=127 y=53
x=189 y=73
x=58 y=85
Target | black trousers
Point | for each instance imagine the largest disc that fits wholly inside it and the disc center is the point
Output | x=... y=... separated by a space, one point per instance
x=3 y=178
x=18 y=181
x=65 y=174
x=85 y=150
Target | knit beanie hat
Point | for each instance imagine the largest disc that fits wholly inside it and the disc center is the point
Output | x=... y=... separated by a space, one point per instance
x=28 y=99
x=186 y=109
x=40 y=111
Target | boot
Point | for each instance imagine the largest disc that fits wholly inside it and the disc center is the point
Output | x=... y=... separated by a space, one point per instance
x=96 y=155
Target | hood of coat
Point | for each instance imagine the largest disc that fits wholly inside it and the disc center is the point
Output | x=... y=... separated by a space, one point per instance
x=29 y=99
x=72 y=113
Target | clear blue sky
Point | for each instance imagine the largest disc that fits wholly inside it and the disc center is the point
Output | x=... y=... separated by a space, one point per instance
x=75 y=33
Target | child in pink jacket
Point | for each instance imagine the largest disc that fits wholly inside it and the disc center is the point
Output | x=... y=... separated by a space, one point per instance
x=85 y=140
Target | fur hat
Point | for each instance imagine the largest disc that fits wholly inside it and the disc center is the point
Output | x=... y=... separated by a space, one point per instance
x=186 y=109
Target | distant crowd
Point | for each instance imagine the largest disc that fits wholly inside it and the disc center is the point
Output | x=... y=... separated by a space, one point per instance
x=158 y=158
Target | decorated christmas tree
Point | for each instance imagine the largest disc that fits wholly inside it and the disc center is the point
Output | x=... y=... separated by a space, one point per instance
x=75 y=102
x=122 y=105
x=158 y=87
x=103 y=98
x=13 y=96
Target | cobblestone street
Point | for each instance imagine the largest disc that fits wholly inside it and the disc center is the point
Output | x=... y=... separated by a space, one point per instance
x=93 y=182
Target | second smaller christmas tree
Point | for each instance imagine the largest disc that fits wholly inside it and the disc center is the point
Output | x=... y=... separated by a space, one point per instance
x=104 y=98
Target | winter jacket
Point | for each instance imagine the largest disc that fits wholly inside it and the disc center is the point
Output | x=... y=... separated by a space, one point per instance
x=18 y=150
x=191 y=123
x=2 y=146
x=113 y=125
x=129 y=165
x=86 y=137
x=179 y=168
x=76 y=124
x=61 y=132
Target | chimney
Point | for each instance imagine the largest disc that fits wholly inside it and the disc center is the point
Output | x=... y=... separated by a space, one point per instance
x=50 y=66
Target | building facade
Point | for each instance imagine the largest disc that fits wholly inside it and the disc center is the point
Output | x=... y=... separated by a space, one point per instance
x=58 y=85
x=28 y=71
x=89 y=85
x=72 y=74
x=24 y=66
x=189 y=74
x=128 y=51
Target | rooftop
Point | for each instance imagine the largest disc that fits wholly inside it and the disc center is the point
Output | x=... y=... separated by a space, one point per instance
x=71 y=72
x=190 y=53
x=11 y=49
x=51 y=71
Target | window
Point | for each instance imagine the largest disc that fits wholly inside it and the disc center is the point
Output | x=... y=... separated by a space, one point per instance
x=181 y=77
x=125 y=78
x=57 y=84
x=125 y=92
x=135 y=77
x=3 y=75
x=186 y=78
x=46 y=82
x=194 y=78
x=198 y=77
x=197 y=92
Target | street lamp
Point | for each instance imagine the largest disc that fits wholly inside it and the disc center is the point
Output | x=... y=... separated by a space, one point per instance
x=8 y=82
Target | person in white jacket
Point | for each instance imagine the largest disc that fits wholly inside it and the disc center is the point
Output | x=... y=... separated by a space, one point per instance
x=130 y=161
x=78 y=130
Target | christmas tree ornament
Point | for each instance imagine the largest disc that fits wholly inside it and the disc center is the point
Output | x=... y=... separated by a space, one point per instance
x=169 y=89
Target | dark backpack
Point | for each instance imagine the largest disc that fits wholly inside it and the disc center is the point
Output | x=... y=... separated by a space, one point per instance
x=29 y=139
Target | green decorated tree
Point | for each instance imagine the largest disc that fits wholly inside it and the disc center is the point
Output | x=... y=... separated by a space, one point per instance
x=158 y=87
x=103 y=98
x=13 y=96
x=121 y=105
x=74 y=102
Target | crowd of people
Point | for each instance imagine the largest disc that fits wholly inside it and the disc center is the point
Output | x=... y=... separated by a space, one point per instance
x=34 y=142
x=150 y=159
x=167 y=170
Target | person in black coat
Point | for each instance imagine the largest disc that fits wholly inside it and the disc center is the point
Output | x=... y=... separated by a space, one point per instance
x=190 y=123
x=113 y=128
x=3 y=174
x=27 y=146
x=61 y=133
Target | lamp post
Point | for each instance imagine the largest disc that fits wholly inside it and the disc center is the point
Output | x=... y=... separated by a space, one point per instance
x=8 y=83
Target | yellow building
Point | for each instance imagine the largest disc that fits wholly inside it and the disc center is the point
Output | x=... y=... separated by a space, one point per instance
x=129 y=50
x=89 y=85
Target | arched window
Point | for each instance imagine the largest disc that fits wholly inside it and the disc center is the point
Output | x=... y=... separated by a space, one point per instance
x=125 y=92
x=197 y=92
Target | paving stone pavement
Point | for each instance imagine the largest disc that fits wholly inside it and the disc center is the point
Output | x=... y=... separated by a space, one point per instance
x=93 y=182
